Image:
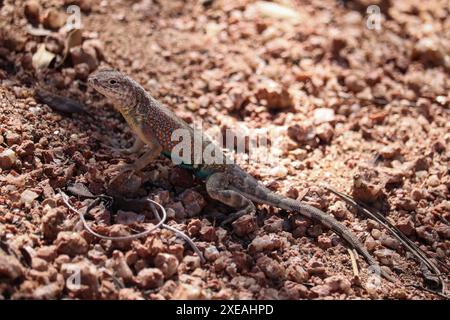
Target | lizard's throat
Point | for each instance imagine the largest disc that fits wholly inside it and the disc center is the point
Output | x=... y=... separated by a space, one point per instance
x=127 y=108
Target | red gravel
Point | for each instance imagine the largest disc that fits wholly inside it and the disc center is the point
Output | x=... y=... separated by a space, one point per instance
x=365 y=111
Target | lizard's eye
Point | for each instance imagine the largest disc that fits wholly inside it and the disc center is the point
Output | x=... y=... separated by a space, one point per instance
x=112 y=81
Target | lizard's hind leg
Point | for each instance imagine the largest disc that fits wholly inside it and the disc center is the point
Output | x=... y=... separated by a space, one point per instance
x=217 y=188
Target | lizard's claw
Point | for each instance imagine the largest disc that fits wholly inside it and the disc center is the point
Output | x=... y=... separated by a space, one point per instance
x=122 y=169
x=119 y=150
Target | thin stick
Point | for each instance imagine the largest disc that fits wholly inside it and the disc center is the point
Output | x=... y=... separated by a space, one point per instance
x=65 y=198
x=409 y=245
x=354 y=264
x=160 y=224
x=181 y=235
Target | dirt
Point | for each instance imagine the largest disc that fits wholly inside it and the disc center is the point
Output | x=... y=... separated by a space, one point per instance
x=363 y=110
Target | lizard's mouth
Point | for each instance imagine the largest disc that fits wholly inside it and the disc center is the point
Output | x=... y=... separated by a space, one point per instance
x=92 y=80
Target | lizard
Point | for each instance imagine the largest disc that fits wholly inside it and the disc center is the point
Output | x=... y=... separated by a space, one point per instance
x=153 y=124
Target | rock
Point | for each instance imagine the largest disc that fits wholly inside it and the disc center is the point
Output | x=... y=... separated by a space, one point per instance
x=354 y=83
x=418 y=194
x=325 y=132
x=130 y=294
x=367 y=191
x=79 y=55
x=274 y=96
x=188 y=292
x=322 y=115
x=278 y=171
x=338 y=43
x=26 y=148
x=150 y=278
x=338 y=284
x=194 y=227
x=443 y=231
x=273 y=224
x=301 y=133
x=406 y=226
x=321 y=290
x=431 y=52
x=385 y=256
x=10 y=268
x=406 y=204
x=82 y=71
x=193 y=202
x=39 y=264
x=51 y=223
x=50 y=291
x=370 y=243
x=265 y=243
x=294 y=291
x=428 y=234
x=376 y=234
x=32 y=10
x=152 y=246
x=71 y=243
x=390 y=242
x=8 y=159
x=191 y=262
x=390 y=151
x=211 y=253
x=124 y=184
x=181 y=177
x=48 y=253
x=324 y=242
x=338 y=210
x=208 y=233
x=315 y=268
x=275 y=11
x=12 y=138
x=271 y=268
x=297 y=273
x=177 y=250
x=53 y=19
x=167 y=263
x=129 y=217
x=94 y=47
x=27 y=197
x=433 y=181
x=119 y=265
x=244 y=225
x=178 y=210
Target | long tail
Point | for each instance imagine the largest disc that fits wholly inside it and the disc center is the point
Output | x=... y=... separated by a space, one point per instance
x=306 y=210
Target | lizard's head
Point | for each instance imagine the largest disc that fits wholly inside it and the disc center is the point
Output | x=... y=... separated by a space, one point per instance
x=116 y=86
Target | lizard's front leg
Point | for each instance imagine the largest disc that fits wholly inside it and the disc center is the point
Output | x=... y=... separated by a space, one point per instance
x=150 y=155
x=217 y=188
x=137 y=145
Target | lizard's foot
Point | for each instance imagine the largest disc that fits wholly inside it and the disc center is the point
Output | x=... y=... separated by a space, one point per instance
x=216 y=186
x=130 y=150
x=122 y=169
x=236 y=215
x=138 y=145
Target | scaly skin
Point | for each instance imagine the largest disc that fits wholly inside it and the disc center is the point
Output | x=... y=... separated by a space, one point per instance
x=154 y=124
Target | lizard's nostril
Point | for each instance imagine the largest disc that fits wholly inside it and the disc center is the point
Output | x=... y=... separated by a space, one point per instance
x=92 y=80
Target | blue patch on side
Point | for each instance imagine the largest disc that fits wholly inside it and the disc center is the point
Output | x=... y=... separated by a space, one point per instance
x=199 y=173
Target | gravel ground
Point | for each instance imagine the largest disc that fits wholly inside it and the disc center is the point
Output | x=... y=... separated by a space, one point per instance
x=363 y=110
